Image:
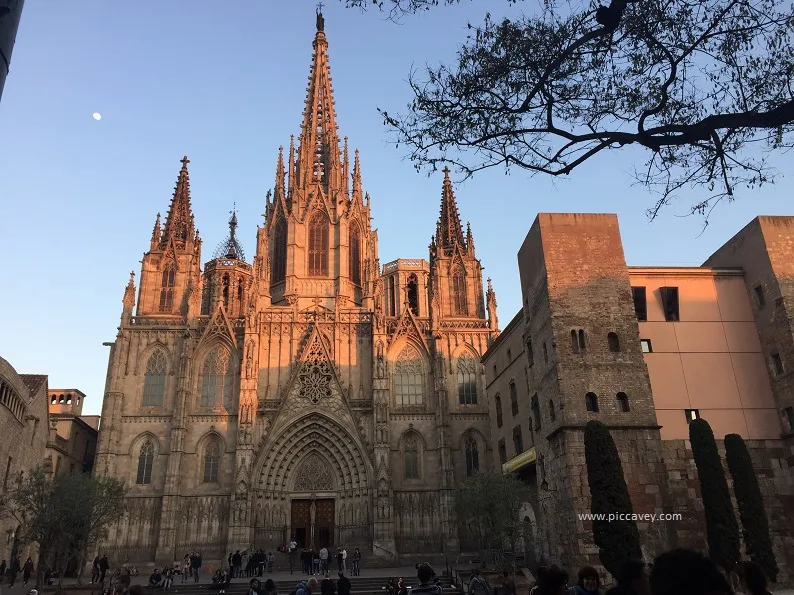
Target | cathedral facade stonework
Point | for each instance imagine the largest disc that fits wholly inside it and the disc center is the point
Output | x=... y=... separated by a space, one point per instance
x=313 y=393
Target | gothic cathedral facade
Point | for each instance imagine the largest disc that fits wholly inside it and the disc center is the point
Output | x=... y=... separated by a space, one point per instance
x=313 y=393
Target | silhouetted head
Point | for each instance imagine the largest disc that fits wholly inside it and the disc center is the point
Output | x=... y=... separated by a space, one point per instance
x=687 y=572
x=424 y=573
x=753 y=577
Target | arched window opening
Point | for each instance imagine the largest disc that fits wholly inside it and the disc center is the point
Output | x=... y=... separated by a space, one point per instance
x=574 y=342
x=145 y=462
x=467 y=380
x=225 y=284
x=279 y=263
x=581 y=340
x=413 y=294
x=408 y=377
x=216 y=380
x=536 y=411
x=614 y=342
x=355 y=254
x=623 y=402
x=513 y=398
x=167 y=288
x=318 y=245
x=240 y=295
x=552 y=411
x=212 y=459
x=498 y=403
x=591 y=402
x=459 y=306
x=154 y=380
x=472 y=456
x=411 y=457
x=545 y=354
x=392 y=297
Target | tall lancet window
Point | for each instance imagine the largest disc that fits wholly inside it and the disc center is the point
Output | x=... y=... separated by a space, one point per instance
x=212 y=458
x=154 y=380
x=355 y=254
x=145 y=462
x=459 y=306
x=411 y=457
x=216 y=380
x=408 y=377
x=279 y=262
x=467 y=380
x=226 y=292
x=472 y=455
x=318 y=245
x=167 y=288
x=413 y=294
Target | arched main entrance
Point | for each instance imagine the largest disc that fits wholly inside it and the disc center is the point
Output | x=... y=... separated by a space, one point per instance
x=313 y=482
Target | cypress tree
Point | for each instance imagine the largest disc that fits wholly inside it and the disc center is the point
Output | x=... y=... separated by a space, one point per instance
x=755 y=526
x=722 y=531
x=617 y=540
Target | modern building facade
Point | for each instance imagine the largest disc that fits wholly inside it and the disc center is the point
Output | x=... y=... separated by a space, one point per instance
x=311 y=392
x=645 y=350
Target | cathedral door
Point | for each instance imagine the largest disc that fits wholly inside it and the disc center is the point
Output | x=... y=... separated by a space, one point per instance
x=325 y=523
x=301 y=522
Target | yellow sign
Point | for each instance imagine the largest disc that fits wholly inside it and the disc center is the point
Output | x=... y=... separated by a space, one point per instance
x=526 y=457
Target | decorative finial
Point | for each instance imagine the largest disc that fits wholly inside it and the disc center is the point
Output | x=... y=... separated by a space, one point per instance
x=132 y=276
x=320 y=18
x=185 y=161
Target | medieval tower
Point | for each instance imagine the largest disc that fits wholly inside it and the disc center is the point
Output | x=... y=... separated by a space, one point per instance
x=313 y=393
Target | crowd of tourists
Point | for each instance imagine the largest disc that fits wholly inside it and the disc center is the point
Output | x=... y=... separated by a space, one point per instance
x=319 y=562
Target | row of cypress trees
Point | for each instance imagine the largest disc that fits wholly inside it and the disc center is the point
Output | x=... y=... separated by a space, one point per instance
x=619 y=541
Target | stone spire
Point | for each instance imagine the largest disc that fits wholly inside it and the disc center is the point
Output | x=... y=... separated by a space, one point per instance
x=357 y=178
x=318 y=155
x=280 y=172
x=179 y=224
x=156 y=233
x=230 y=248
x=490 y=302
x=449 y=230
x=128 y=302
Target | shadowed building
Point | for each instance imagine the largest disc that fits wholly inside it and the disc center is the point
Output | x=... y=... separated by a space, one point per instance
x=644 y=350
x=10 y=14
x=311 y=393
x=72 y=442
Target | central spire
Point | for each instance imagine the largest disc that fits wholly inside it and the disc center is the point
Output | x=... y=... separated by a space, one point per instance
x=449 y=231
x=179 y=224
x=318 y=155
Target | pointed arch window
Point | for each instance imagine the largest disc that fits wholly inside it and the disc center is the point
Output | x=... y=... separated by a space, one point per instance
x=145 y=463
x=279 y=262
x=216 y=380
x=167 y=283
x=467 y=380
x=472 y=456
x=226 y=292
x=408 y=377
x=459 y=305
x=154 y=380
x=411 y=457
x=318 y=245
x=413 y=293
x=355 y=254
x=212 y=459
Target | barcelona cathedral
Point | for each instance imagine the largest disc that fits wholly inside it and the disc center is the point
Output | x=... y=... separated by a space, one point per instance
x=312 y=393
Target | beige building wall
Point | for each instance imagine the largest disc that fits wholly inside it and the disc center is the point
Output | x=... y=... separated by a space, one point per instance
x=709 y=362
x=72 y=445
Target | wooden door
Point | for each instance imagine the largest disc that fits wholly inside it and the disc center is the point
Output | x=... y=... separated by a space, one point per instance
x=301 y=519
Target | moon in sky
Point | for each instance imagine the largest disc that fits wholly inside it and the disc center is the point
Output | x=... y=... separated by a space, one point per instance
x=97 y=116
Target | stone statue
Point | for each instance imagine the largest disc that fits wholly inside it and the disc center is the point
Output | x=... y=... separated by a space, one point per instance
x=249 y=362
x=320 y=19
x=312 y=512
x=381 y=367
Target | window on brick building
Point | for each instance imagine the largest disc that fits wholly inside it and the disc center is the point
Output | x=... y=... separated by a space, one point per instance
x=467 y=380
x=509 y=356
x=640 y=302
x=355 y=257
x=788 y=414
x=145 y=462
x=502 y=452
x=614 y=342
x=582 y=344
x=167 y=288
x=518 y=441
x=545 y=354
x=623 y=402
x=670 y=303
x=777 y=363
x=318 y=245
x=645 y=345
x=536 y=412
x=574 y=342
x=279 y=264
x=498 y=403
x=409 y=377
x=212 y=461
x=591 y=402
x=154 y=380
x=513 y=398
x=413 y=294
x=216 y=380
x=530 y=353
x=691 y=414
x=472 y=456
x=552 y=411
x=759 y=296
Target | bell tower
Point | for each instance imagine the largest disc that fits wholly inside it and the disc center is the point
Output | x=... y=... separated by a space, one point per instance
x=171 y=269
x=320 y=245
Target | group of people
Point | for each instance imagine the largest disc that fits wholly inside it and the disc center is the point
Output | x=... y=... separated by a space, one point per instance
x=677 y=572
x=11 y=572
x=318 y=562
x=248 y=565
x=324 y=587
x=165 y=578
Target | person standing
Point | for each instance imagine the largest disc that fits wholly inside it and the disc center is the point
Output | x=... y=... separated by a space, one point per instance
x=95 y=570
x=344 y=560
x=27 y=571
x=356 y=562
x=324 y=560
x=195 y=562
x=15 y=566
x=103 y=568
x=343 y=586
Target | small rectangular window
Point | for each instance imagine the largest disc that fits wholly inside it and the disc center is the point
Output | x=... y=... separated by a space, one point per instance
x=640 y=303
x=530 y=353
x=494 y=371
x=509 y=356
x=670 y=303
x=646 y=346
x=518 y=441
x=777 y=362
x=513 y=398
x=8 y=472
x=759 y=296
x=691 y=414
x=502 y=451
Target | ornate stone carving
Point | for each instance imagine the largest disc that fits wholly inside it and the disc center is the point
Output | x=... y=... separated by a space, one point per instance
x=314 y=475
x=316 y=374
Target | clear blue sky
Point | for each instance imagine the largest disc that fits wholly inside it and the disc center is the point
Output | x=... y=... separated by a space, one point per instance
x=224 y=83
